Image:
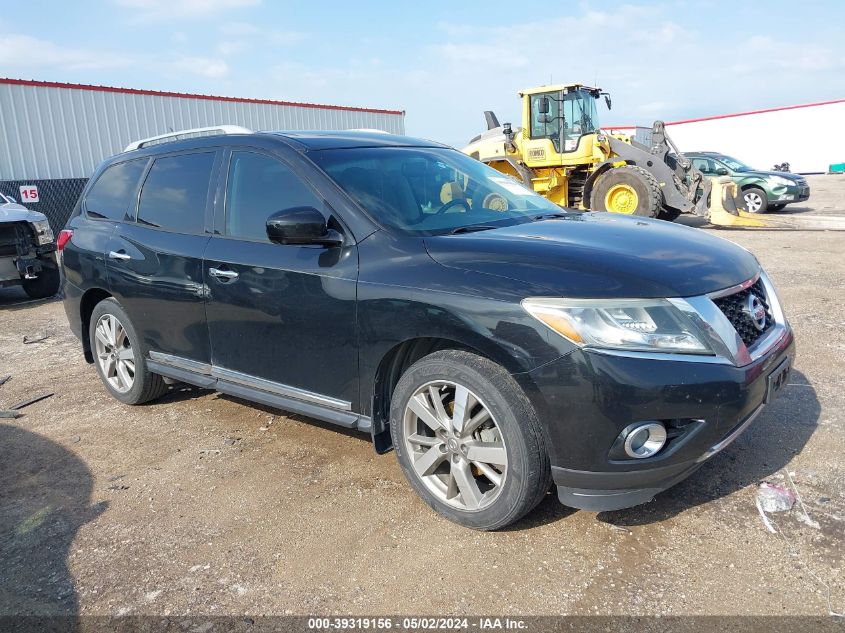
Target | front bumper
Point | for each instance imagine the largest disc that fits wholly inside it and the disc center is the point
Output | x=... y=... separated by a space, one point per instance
x=788 y=195
x=586 y=398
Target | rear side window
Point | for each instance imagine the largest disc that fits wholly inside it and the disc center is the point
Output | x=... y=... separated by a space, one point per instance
x=114 y=191
x=175 y=193
x=258 y=186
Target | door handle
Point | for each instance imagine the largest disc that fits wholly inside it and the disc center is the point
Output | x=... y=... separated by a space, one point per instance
x=223 y=275
x=119 y=256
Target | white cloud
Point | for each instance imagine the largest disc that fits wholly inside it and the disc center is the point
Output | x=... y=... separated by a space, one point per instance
x=25 y=52
x=244 y=36
x=153 y=10
x=202 y=66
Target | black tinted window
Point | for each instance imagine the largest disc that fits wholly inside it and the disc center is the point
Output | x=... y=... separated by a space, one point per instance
x=258 y=186
x=175 y=193
x=114 y=191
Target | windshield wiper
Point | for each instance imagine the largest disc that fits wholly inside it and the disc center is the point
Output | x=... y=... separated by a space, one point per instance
x=472 y=228
x=549 y=216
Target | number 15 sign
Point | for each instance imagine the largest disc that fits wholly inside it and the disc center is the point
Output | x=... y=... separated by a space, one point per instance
x=29 y=193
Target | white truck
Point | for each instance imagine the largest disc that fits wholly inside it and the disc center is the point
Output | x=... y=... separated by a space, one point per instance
x=27 y=250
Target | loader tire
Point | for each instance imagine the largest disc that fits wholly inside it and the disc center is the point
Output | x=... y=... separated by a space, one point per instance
x=630 y=190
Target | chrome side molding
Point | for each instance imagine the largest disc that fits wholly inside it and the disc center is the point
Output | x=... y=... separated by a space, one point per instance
x=248 y=380
x=288 y=391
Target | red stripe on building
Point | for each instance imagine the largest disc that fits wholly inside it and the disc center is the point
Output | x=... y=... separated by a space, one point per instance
x=185 y=95
x=736 y=114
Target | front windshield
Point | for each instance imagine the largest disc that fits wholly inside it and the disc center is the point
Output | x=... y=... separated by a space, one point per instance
x=734 y=164
x=573 y=114
x=430 y=191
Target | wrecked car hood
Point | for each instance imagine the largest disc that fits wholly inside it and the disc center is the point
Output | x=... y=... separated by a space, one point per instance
x=19 y=213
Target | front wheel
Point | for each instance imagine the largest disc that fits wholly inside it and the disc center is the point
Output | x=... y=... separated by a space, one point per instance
x=776 y=207
x=468 y=440
x=629 y=190
x=755 y=200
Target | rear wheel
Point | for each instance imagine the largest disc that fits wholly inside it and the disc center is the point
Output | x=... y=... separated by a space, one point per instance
x=46 y=284
x=755 y=200
x=119 y=356
x=629 y=190
x=468 y=440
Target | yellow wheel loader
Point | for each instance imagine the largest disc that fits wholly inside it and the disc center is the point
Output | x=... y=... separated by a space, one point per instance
x=561 y=152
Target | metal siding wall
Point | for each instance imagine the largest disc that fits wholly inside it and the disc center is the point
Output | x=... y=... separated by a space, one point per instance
x=52 y=133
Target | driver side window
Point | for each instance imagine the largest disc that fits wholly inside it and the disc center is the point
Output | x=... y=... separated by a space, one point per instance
x=545 y=124
x=257 y=187
x=704 y=165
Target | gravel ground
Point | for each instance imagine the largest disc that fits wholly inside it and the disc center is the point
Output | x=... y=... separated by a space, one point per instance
x=203 y=504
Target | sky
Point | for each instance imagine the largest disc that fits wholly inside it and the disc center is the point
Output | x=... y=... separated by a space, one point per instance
x=442 y=62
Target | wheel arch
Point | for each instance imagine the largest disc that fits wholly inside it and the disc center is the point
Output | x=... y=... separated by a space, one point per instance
x=87 y=303
x=395 y=362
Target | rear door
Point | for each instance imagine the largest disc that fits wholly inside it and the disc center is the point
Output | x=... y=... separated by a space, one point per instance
x=155 y=261
x=280 y=317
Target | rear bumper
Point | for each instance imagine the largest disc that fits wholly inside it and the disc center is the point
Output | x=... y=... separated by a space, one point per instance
x=587 y=399
x=72 y=303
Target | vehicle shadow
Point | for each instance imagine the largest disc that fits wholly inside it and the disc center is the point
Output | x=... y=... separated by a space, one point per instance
x=768 y=446
x=328 y=426
x=14 y=298
x=45 y=493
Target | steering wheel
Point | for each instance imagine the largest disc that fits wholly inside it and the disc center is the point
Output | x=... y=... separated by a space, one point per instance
x=452 y=203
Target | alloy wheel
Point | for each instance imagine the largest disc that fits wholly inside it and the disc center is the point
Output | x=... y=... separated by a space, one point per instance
x=753 y=201
x=114 y=353
x=455 y=446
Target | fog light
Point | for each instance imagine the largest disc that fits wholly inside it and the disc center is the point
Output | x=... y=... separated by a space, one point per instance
x=645 y=440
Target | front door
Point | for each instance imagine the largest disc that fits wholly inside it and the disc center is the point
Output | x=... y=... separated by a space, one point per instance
x=280 y=317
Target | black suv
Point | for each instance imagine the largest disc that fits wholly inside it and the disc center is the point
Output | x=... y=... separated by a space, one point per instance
x=401 y=288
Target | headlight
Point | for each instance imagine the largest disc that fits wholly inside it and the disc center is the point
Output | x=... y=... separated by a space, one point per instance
x=43 y=231
x=647 y=325
x=781 y=181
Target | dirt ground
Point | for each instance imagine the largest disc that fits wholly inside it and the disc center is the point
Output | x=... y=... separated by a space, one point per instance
x=203 y=504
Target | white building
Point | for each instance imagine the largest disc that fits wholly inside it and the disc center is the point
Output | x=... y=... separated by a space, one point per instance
x=810 y=137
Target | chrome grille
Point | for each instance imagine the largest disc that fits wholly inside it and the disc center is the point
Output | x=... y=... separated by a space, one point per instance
x=732 y=306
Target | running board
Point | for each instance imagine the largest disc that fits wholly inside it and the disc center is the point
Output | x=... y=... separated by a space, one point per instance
x=346 y=419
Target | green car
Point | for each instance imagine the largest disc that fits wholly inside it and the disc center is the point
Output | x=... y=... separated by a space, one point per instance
x=762 y=190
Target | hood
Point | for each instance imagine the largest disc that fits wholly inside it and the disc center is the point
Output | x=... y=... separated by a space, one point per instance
x=601 y=255
x=18 y=213
x=756 y=173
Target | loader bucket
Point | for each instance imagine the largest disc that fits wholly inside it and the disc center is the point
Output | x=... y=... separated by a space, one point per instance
x=725 y=212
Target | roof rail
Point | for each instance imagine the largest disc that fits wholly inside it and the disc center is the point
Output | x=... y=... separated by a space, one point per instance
x=192 y=133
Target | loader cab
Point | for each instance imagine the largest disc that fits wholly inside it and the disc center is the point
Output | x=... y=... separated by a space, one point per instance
x=556 y=118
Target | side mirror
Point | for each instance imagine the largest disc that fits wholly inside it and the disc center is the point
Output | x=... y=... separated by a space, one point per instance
x=721 y=171
x=607 y=100
x=301 y=225
x=543 y=106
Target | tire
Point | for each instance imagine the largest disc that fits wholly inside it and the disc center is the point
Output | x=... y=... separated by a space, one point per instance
x=755 y=200
x=776 y=207
x=625 y=179
x=144 y=385
x=455 y=480
x=45 y=285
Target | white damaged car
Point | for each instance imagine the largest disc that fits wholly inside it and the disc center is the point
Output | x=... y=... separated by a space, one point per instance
x=27 y=250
